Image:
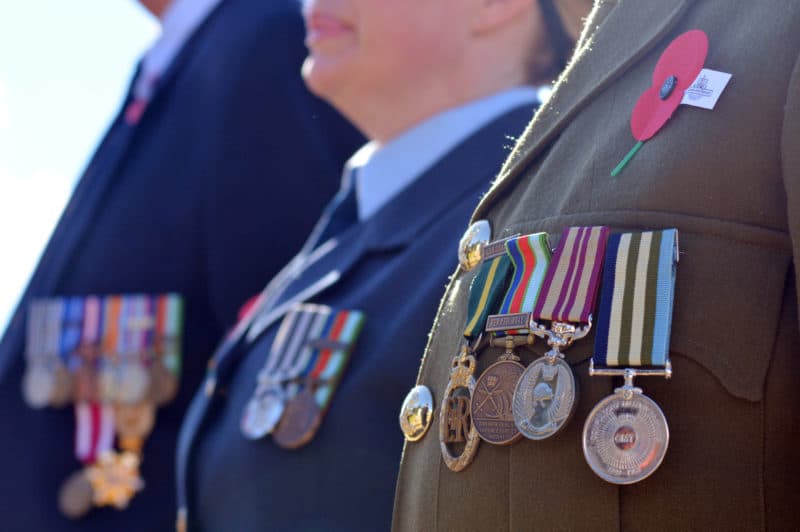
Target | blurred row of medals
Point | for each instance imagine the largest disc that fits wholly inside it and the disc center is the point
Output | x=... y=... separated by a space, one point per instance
x=622 y=285
x=115 y=359
x=301 y=372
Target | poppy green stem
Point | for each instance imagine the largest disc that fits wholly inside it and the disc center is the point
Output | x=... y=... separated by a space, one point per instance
x=615 y=172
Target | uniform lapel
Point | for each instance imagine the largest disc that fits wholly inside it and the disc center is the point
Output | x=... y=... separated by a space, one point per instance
x=626 y=35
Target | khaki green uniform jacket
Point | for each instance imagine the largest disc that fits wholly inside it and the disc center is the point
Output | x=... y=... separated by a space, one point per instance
x=729 y=180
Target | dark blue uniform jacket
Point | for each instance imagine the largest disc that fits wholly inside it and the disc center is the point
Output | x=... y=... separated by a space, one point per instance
x=211 y=192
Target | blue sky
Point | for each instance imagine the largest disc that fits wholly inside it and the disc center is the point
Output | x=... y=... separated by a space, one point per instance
x=64 y=67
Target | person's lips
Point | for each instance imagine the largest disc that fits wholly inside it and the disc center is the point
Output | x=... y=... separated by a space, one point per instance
x=321 y=26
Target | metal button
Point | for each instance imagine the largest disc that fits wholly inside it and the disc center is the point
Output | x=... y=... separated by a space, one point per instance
x=416 y=413
x=470 y=248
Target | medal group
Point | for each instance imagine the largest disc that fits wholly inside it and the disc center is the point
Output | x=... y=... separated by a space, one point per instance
x=300 y=375
x=521 y=291
x=116 y=359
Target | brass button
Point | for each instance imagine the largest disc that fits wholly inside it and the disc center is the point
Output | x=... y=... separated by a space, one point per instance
x=416 y=413
x=470 y=248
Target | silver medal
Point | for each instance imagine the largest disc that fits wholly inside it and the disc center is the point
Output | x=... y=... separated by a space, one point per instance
x=132 y=383
x=544 y=398
x=263 y=412
x=625 y=437
x=38 y=385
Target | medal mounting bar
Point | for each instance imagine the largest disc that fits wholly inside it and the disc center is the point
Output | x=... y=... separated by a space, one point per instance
x=509 y=343
x=560 y=335
x=629 y=374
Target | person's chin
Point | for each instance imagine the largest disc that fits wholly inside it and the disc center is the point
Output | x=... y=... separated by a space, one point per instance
x=324 y=76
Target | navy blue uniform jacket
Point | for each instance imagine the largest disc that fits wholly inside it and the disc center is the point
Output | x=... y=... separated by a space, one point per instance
x=394 y=268
x=208 y=195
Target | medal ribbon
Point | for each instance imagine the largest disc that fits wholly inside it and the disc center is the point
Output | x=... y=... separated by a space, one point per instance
x=636 y=300
x=570 y=288
x=94 y=421
x=169 y=317
x=346 y=327
x=71 y=332
x=530 y=256
x=486 y=290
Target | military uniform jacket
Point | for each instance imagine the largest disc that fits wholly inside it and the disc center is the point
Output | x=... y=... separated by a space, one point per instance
x=729 y=180
x=200 y=198
x=392 y=267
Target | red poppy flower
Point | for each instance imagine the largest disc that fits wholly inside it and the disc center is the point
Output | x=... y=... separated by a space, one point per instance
x=676 y=70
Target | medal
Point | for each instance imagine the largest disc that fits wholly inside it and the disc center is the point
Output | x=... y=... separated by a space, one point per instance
x=288 y=358
x=491 y=407
x=76 y=496
x=458 y=435
x=132 y=380
x=166 y=365
x=300 y=421
x=133 y=423
x=545 y=396
x=306 y=408
x=625 y=437
x=111 y=345
x=458 y=438
x=115 y=479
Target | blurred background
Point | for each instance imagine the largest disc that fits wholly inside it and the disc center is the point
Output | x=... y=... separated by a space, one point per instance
x=64 y=67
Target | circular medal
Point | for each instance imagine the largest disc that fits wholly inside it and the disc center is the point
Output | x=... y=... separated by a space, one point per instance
x=37 y=386
x=163 y=383
x=544 y=398
x=134 y=421
x=62 y=388
x=300 y=421
x=106 y=382
x=490 y=407
x=458 y=439
x=416 y=413
x=263 y=412
x=625 y=439
x=75 y=497
x=133 y=382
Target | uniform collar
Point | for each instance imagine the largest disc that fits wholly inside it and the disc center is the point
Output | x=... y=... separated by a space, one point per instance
x=179 y=22
x=381 y=172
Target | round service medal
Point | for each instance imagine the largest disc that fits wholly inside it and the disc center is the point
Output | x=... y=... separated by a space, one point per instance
x=300 y=422
x=490 y=408
x=544 y=398
x=625 y=439
x=263 y=412
x=38 y=385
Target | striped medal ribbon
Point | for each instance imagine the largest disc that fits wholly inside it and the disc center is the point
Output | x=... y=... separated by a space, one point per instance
x=459 y=435
x=545 y=395
x=491 y=404
x=625 y=437
x=310 y=392
x=530 y=258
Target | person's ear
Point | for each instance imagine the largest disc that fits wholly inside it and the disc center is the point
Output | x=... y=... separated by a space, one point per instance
x=493 y=14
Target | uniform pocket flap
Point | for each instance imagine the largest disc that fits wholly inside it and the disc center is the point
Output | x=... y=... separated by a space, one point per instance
x=728 y=298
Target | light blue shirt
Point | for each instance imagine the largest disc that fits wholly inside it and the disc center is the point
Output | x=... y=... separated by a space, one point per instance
x=382 y=171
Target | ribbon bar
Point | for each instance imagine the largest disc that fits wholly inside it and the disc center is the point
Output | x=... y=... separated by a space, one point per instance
x=570 y=288
x=636 y=300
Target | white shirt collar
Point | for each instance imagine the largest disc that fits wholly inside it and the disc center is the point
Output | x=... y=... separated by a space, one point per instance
x=180 y=20
x=381 y=172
